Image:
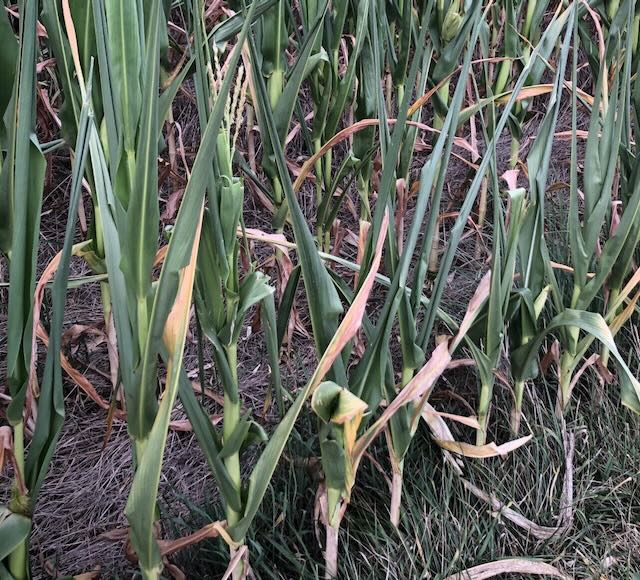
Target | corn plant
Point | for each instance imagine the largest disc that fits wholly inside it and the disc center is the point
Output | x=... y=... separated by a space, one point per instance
x=521 y=24
x=113 y=37
x=150 y=319
x=528 y=300
x=503 y=262
x=344 y=436
x=448 y=33
x=332 y=93
x=416 y=339
x=449 y=29
x=586 y=221
x=21 y=185
x=404 y=424
x=242 y=502
x=487 y=352
x=284 y=84
x=223 y=295
x=607 y=124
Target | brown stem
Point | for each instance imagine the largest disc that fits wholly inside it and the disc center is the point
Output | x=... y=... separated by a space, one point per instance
x=482 y=215
x=331 y=552
x=396 y=491
x=516 y=412
x=239 y=570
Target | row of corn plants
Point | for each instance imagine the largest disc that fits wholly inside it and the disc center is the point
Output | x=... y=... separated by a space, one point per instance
x=368 y=87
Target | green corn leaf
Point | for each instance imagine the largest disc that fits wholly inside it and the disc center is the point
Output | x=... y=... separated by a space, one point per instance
x=8 y=57
x=547 y=44
x=14 y=530
x=286 y=302
x=82 y=15
x=208 y=440
x=613 y=248
x=333 y=459
x=126 y=59
x=233 y=444
x=24 y=168
x=255 y=435
x=324 y=304
x=523 y=328
x=254 y=289
x=51 y=401
x=594 y=325
x=112 y=121
x=230 y=27
x=142 y=212
x=324 y=400
x=269 y=324
x=412 y=354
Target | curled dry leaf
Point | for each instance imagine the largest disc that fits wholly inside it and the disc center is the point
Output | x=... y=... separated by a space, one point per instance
x=77 y=377
x=415 y=390
x=365 y=226
x=536 y=530
x=440 y=430
x=475 y=304
x=93 y=575
x=241 y=554
x=353 y=318
x=184 y=425
x=508 y=566
x=511 y=178
x=214 y=530
x=6 y=445
x=347 y=132
x=38 y=296
x=551 y=356
x=482 y=451
x=468 y=421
